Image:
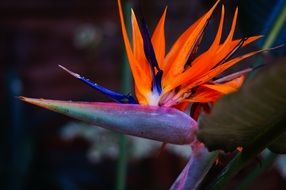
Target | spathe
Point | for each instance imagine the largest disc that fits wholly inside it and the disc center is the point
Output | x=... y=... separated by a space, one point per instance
x=158 y=123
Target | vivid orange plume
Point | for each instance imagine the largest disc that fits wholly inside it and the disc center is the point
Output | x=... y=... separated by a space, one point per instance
x=185 y=77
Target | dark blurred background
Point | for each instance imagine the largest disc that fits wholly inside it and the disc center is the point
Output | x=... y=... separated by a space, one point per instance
x=44 y=150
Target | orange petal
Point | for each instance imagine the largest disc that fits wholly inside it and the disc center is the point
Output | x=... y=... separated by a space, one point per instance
x=226 y=49
x=202 y=63
x=199 y=66
x=219 y=69
x=225 y=46
x=217 y=39
x=233 y=26
x=173 y=53
x=182 y=80
x=180 y=51
x=205 y=95
x=158 y=39
x=218 y=52
x=249 y=40
x=138 y=47
x=232 y=76
x=216 y=43
x=212 y=92
x=226 y=87
x=132 y=61
x=136 y=37
x=138 y=74
x=141 y=97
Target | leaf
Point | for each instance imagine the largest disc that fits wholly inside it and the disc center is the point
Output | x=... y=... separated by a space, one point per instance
x=279 y=145
x=250 y=115
x=196 y=169
x=158 y=123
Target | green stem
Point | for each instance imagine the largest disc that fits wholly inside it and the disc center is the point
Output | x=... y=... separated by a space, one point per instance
x=271 y=37
x=259 y=169
x=122 y=163
x=126 y=86
x=277 y=26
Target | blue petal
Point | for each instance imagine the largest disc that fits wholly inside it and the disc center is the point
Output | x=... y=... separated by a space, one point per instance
x=157 y=81
x=117 y=97
x=151 y=57
x=148 y=47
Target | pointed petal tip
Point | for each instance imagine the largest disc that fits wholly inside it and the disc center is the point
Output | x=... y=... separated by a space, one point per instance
x=21 y=97
x=69 y=71
x=25 y=99
x=35 y=101
x=132 y=12
x=217 y=2
x=278 y=46
x=272 y=48
x=49 y=104
x=258 y=36
x=213 y=7
x=118 y=97
x=165 y=10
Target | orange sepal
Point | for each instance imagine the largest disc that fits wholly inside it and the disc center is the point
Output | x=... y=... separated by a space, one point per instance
x=141 y=81
x=178 y=55
x=204 y=95
x=226 y=87
x=188 y=84
x=138 y=50
x=158 y=39
x=212 y=92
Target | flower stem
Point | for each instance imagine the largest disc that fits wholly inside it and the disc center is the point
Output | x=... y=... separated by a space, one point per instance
x=269 y=159
x=126 y=85
x=199 y=164
x=276 y=28
x=271 y=37
x=122 y=163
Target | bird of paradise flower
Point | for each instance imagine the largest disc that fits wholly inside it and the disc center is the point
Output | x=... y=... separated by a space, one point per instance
x=165 y=83
x=179 y=77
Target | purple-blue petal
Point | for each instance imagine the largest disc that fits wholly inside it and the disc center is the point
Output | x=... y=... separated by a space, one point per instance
x=115 y=96
x=151 y=57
